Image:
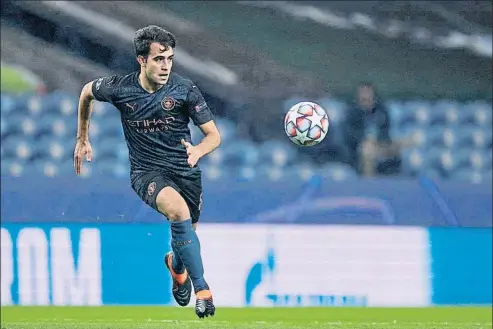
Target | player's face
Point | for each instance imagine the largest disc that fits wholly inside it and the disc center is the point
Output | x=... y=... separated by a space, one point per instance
x=159 y=63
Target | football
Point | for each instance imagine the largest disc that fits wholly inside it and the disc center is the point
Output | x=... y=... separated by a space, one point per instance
x=306 y=124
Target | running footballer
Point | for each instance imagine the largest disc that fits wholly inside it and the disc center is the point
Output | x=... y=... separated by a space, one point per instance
x=156 y=106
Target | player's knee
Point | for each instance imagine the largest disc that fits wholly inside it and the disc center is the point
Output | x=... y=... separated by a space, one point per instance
x=172 y=205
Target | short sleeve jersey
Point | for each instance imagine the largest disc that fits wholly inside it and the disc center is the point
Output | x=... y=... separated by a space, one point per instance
x=155 y=123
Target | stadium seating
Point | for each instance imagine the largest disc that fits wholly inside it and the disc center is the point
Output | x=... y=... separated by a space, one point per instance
x=454 y=141
x=236 y=154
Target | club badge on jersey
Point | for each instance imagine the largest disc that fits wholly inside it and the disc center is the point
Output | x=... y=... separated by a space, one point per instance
x=168 y=103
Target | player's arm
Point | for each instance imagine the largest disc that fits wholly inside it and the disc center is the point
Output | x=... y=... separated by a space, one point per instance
x=83 y=147
x=102 y=90
x=86 y=104
x=200 y=113
x=211 y=140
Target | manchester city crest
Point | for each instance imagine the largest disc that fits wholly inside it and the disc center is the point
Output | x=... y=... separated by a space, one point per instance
x=168 y=103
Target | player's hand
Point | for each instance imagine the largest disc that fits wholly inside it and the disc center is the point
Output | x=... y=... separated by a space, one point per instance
x=82 y=149
x=194 y=154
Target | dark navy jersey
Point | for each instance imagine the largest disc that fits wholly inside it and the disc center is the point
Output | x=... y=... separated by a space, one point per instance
x=155 y=123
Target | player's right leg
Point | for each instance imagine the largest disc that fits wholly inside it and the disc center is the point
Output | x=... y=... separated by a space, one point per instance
x=148 y=185
x=186 y=245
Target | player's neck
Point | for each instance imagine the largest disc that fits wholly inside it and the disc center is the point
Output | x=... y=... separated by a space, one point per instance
x=148 y=85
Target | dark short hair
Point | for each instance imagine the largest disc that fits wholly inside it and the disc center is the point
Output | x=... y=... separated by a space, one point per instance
x=149 y=34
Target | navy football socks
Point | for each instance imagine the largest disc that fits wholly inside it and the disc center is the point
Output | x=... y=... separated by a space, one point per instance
x=186 y=245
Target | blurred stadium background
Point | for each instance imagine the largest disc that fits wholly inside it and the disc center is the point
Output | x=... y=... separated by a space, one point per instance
x=419 y=235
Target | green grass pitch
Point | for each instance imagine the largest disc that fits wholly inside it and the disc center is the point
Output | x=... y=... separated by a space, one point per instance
x=136 y=317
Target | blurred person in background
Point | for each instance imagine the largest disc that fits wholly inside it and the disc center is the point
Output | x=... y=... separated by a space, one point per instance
x=371 y=150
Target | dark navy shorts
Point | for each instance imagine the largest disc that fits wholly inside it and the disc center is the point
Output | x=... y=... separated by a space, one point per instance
x=148 y=184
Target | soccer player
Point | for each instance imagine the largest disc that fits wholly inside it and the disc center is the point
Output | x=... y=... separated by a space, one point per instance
x=156 y=106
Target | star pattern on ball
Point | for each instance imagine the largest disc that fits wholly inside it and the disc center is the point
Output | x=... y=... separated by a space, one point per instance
x=316 y=119
x=302 y=137
x=293 y=118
